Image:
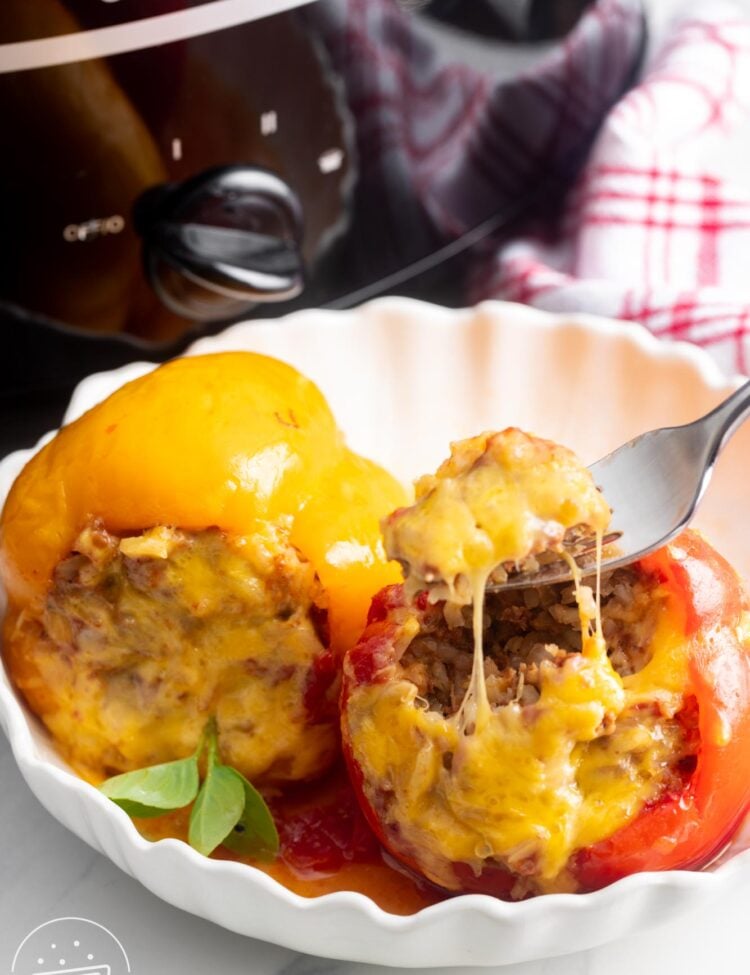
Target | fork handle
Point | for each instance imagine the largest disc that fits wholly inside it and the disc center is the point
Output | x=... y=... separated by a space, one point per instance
x=728 y=416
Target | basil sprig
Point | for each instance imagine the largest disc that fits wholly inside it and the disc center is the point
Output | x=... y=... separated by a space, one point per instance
x=254 y=833
x=155 y=790
x=227 y=808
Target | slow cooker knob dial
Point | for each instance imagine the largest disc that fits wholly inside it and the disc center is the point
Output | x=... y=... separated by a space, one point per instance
x=224 y=240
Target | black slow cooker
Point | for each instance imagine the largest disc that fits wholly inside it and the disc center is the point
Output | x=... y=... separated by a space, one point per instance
x=170 y=166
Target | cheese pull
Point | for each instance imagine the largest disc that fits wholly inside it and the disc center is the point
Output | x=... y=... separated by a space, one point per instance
x=500 y=500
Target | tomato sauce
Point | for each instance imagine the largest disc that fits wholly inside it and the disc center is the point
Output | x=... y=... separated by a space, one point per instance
x=326 y=846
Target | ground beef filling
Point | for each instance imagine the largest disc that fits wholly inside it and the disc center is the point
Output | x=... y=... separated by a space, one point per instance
x=142 y=638
x=522 y=629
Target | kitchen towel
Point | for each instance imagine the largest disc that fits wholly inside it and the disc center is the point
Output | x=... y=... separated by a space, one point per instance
x=456 y=129
x=657 y=226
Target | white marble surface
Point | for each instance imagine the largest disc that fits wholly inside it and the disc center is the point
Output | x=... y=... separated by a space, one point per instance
x=47 y=873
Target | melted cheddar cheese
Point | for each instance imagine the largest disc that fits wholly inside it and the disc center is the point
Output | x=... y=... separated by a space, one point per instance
x=533 y=784
x=142 y=638
x=499 y=498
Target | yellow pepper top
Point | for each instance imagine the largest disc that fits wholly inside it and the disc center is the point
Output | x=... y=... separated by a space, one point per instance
x=233 y=440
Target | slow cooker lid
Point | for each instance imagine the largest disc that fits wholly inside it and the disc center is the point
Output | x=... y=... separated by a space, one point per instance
x=31 y=36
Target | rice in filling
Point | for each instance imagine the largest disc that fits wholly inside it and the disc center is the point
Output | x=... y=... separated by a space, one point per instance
x=522 y=629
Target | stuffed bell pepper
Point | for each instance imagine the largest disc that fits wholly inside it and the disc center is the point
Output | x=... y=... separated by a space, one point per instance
x=548 y=738
x=200 y=546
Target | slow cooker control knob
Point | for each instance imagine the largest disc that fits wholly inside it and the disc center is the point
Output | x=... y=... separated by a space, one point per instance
x=222 y=241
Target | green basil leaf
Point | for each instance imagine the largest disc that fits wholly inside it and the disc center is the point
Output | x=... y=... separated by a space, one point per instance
x=218 y=807
x=154 y=790
x=255 y=832
x=138 y=810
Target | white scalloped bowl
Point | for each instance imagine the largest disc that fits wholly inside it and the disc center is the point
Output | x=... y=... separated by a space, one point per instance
x=403 y=379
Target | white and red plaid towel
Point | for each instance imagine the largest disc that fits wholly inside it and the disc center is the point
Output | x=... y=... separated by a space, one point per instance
x=657 y=227
x=441 y=143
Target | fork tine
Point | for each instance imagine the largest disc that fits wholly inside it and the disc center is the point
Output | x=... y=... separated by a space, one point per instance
x=556 y=571
x=589 y=544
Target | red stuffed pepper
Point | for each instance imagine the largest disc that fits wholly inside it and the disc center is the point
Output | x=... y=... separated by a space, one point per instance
x=606 y=748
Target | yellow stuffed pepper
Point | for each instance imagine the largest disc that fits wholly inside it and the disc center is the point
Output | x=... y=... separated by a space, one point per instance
x=200 y=545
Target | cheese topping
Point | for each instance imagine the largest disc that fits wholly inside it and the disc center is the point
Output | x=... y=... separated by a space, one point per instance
x=522 y=786
x=167 y=628
x=500 y=498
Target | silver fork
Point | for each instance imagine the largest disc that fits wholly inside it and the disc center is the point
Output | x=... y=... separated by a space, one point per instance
x=653 y=485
